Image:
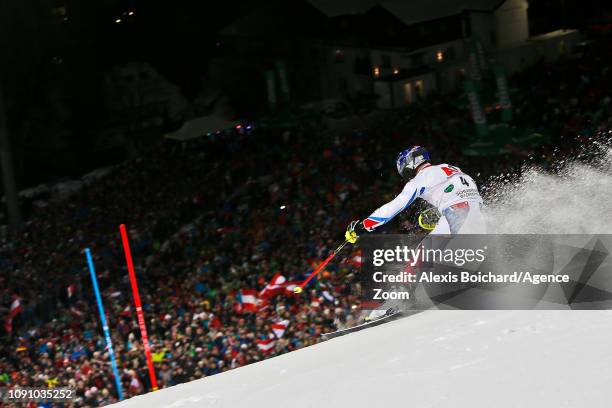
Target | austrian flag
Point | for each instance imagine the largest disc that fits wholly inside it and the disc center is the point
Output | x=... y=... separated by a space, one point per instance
x=279 y=328
x=274 y=287
x=15 y=309
x=266 y=345
x=70 y=290
x=248 y=299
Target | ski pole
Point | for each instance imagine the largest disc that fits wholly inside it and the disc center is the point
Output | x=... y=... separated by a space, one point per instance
x=298 y=289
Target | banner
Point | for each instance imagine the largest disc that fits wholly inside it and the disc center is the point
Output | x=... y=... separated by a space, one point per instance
x=480 y=54
x=271 y=88
x=283 y=79
x=478 y=114
x=502 y=93
x=474 y=70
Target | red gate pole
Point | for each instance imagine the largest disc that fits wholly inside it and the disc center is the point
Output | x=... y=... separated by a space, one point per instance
x=139 y=313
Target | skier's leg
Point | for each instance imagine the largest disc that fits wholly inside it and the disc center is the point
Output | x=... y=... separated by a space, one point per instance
x=442 y=227
x=474 y=222
x=465 y=218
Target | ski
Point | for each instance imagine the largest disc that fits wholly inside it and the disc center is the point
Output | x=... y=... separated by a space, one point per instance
x=384 y=319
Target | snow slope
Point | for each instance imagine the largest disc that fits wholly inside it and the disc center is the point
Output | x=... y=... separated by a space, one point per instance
x=434 y=359
x=472 y=359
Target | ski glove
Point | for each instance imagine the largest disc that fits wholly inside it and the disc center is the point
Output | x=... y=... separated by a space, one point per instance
x=350 y=234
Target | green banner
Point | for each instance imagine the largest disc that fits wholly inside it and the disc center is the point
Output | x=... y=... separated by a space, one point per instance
x=281 y=71
x=475 y=73
x=503 y=96
x=271 y=88
x=480 y=120
x=480 y=53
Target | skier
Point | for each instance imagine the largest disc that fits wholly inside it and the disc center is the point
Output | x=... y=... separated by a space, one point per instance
x=453 y=193
x=445 y=187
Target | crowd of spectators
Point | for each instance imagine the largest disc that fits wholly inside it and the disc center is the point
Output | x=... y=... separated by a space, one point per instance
x=210 y=217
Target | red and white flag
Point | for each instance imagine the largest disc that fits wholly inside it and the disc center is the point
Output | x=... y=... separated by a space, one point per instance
x=262 y=304
x=355 y=260
x=248 y=299
x=274 y=287
x=135 y=385
x=70 y=290
x=279 y=328
x=14 y=310
x=266 y=345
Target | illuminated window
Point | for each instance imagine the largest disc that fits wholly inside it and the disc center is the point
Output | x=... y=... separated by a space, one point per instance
x=408 y=93
x=439 y=56
x=376 y=71
x=418 y=87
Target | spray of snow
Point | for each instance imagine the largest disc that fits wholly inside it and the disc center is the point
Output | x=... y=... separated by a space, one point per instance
x=573 y=198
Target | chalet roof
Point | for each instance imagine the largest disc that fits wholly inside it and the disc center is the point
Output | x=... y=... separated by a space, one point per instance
x=408 y=11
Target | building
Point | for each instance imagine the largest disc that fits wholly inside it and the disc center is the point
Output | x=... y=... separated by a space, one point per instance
x=395 y=51
x=403 y=50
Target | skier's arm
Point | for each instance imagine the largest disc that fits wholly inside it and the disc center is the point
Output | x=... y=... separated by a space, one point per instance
x=385 y=213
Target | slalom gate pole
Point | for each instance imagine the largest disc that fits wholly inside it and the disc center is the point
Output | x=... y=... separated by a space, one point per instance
x=109 y=342
x=298 y=289
x=138 y=304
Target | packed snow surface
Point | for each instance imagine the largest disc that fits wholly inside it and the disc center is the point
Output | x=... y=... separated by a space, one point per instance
x=432 y=359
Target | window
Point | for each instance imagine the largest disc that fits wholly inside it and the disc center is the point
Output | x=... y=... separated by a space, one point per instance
x=562 y=47
x=419 y=88
x=408 y=93
x=386 y=61
x=376 y=71
x=439 y=56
